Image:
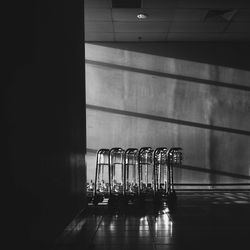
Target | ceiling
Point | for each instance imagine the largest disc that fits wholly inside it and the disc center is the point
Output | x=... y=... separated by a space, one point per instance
x=168 y=20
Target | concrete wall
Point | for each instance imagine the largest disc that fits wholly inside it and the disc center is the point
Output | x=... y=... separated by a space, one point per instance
x=137 y=99
x=45 y=116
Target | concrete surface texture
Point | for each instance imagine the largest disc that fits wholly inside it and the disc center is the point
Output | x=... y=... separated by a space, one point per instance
x=137 y=99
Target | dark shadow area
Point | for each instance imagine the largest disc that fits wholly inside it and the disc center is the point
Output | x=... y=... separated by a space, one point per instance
x=202 y=220
x=216 y=53
x=45 y=121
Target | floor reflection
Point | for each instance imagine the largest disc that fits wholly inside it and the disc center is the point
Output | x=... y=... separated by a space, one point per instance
x=202 y=220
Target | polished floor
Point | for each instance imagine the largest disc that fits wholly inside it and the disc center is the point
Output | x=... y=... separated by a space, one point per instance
x=202 y=220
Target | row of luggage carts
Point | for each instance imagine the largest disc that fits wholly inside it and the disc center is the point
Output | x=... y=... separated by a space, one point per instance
x=134 y=175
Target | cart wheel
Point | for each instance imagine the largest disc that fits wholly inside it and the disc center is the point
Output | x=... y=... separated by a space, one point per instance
x=172 y=201
x=124 y=202
x=157 y=198
x=140 y=201
x=111 y=202
x=101 y=198
x=174 y=196
x=95 y=201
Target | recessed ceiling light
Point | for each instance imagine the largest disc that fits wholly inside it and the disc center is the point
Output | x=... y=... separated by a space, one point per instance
x=142 y=16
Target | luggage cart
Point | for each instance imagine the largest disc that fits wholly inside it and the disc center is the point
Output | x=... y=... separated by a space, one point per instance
x=102 y=182
x=116 y=176
x=174 y=160
x=160 y=173
x=131 y=178
x=146 y=174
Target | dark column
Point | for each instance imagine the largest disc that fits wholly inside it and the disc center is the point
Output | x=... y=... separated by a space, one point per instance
x=45 y=114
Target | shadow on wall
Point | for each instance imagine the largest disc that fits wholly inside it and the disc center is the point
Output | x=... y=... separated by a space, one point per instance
x=215 y=53
x=139 y=99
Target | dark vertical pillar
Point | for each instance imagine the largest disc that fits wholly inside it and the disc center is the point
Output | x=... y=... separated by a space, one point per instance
x=45 y=115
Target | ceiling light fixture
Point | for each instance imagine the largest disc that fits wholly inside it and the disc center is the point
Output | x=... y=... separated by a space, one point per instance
x=142 y=16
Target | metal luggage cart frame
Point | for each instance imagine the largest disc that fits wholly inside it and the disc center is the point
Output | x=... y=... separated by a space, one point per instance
x=147 y=190
x=117 y=189
x=102 y=161
x=152 y=178
x=131 y=169
x=160 y=157
x=174 y=160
